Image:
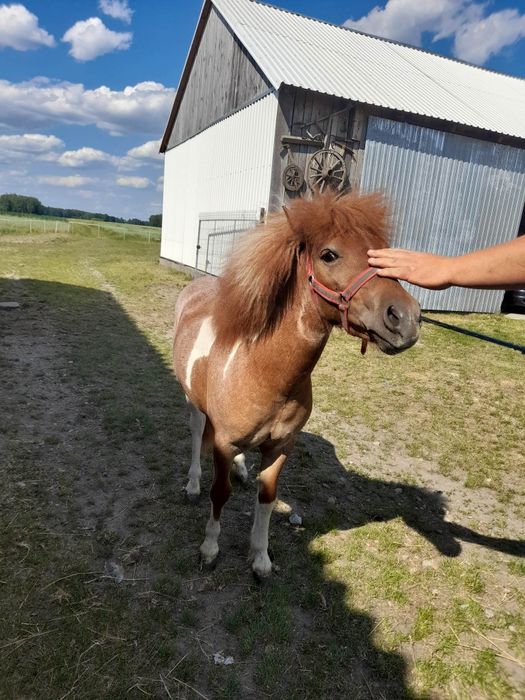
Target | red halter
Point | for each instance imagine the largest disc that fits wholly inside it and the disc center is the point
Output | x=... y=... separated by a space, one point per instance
x=340 y=299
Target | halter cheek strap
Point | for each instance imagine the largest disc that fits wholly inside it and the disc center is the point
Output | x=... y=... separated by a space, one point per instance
x=340 y=299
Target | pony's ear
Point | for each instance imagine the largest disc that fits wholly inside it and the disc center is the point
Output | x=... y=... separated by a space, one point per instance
x=258 y=284
x=291 y=223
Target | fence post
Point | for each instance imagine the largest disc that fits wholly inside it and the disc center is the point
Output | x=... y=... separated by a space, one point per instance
x=30 y=226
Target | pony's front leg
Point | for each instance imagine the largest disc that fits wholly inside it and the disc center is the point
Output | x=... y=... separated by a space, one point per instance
x=273 y=460
x=219 y=494
x=197 y=424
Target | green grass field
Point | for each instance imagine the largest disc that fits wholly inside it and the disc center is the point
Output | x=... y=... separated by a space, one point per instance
x=405 y=580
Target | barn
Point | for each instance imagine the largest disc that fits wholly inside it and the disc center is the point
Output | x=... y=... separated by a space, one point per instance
x=272 y=104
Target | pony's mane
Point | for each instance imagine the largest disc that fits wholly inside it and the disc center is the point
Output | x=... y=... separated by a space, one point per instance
x=259 y=282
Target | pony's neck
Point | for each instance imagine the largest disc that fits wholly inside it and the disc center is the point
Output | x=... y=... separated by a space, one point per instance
x=302 y=334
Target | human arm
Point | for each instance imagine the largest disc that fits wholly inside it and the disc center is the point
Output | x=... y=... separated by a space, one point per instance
x=498 y=267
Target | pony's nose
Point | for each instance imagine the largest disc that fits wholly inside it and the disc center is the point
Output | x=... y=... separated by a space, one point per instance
x=402 y=320
x=393 y=317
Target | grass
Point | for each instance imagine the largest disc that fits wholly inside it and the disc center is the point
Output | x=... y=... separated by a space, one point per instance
x=388 y=590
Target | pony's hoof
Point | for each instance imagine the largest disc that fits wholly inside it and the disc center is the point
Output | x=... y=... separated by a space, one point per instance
x=192 y=498
x=206 y=564
x=261 y=567
x=261 y=579
x=241 y=477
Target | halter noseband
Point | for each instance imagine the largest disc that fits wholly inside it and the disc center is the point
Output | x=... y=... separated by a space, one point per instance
x=340 y=299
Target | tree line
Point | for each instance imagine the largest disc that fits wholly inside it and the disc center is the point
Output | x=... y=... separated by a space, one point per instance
x=22 y=204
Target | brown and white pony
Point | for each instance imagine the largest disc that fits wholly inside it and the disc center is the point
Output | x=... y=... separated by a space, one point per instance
x=246 y=343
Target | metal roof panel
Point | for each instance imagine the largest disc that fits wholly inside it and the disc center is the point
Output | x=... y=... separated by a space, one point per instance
x=295 y=50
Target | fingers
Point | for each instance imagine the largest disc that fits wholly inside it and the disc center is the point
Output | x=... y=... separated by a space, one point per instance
x=383 y=257
x=394 y=272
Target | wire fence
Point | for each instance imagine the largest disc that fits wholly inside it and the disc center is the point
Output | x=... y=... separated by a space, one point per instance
x=120 y=231
x=21 y=224
x=24 y=225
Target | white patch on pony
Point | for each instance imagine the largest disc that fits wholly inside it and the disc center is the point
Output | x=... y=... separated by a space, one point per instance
x=201 y=348
x=259 y=538
x=210 y=546
x=232 y=354
x=300 y=324
x=302 y=329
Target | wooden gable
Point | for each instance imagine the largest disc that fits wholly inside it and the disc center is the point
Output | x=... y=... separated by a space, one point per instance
x=219 y=78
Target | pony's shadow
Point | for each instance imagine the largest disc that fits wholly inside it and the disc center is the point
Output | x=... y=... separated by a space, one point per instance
x=421 y=509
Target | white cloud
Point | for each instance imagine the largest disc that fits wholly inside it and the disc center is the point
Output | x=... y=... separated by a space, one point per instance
x=28 y=144
x=67 y=181
x=84 y=157
x=476 y=36
x=160 y=184
x=91 y=38
x=118 y=9
x=147 y=151
x=478 y=41
x=139 y=156
x=19 y=29
x=138 y=183
x=141 y=108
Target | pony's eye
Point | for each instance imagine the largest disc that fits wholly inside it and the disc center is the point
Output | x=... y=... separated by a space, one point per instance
x=328 y=256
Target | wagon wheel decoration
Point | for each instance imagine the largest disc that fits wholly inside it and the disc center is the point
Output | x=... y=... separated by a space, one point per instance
x=293 y=175
x=326 y=169
x=293 y=178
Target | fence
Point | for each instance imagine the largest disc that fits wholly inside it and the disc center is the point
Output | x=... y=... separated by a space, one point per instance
x=114 y=230
x=218 y=234
x=24 y=225
x=21 y=224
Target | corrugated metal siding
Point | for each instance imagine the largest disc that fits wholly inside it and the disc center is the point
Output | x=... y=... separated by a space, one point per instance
x=225 y=168
x=450 y=195
x=314 y=55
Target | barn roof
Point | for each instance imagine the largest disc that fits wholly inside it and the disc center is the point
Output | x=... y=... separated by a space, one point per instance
x=295 y=50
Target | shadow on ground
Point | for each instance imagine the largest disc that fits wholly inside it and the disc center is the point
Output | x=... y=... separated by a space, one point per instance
x=101 y=595
x=421 y=509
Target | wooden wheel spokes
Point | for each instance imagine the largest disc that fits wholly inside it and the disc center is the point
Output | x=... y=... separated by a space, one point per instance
x=326 y=169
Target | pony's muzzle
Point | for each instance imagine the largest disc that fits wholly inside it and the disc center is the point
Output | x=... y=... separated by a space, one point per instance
x=401 y=326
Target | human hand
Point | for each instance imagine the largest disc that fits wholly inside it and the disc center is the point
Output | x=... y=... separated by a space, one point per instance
x=423 y=269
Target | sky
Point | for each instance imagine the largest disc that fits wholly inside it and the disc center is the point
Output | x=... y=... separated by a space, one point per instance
x=86 y=86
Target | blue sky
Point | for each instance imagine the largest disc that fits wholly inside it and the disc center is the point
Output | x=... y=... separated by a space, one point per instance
x=86 y=86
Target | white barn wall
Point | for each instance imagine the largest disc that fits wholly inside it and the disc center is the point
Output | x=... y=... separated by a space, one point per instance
x=225 y=168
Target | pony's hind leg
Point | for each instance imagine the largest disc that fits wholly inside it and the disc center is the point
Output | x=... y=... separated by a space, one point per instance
x=239 y=468
x=219 y=494
x=197 y=424
x=272 y=462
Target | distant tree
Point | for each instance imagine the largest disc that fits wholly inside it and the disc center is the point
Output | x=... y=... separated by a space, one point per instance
x=19 y=203
x=155 y=220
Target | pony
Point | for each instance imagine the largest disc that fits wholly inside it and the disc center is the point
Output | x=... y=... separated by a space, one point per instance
x=245 y=343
